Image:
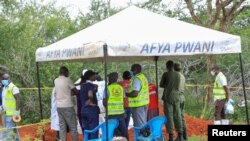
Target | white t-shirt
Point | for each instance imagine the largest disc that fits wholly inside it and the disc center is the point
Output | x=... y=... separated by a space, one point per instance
x=221 y=79
x=63 y=87
x=14 y=92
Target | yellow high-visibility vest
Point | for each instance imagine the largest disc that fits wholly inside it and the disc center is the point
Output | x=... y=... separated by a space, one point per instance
x=218 y=90
x=143 y=95
x=10 y=101
x=115 y=99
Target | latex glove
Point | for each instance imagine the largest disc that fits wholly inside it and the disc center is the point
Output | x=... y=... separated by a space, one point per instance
x=16 y=116
x=17 y=113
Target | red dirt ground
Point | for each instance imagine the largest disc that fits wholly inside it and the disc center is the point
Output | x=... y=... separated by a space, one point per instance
x=195 y=127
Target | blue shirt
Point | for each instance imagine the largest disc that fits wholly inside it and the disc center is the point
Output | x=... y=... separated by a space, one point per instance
x=84 y=93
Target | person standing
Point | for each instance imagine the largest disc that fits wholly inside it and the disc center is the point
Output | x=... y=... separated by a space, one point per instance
x=82 y=80
x=115 y=96
x=170 y=81
x=125 y=84
x=138 y=96
x=89 y=111
x=64 y=88
x=220 y=92
x=177 y=68
x=153 y=100
x=11 y=106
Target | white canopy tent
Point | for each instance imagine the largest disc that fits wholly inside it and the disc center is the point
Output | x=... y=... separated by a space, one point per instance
x=138 y=34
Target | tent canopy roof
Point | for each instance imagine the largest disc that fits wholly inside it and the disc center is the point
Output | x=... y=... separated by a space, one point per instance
x=139 y=33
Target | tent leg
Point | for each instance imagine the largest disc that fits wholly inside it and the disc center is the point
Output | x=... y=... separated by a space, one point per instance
x=105 y=51
x=39 y=94
x=243 y=85
x=156 y=78
x=156 y=73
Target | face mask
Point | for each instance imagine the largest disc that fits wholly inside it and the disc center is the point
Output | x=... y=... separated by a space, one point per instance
x=5 y=82
x=212 y=73
x=131 y=73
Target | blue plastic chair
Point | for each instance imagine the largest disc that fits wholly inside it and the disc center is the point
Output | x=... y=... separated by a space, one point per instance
x=112 y=125
x=155 y=126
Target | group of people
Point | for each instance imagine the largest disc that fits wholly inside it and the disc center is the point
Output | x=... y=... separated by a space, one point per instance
x=173 y=82
x=123 y=99
x=135 y=96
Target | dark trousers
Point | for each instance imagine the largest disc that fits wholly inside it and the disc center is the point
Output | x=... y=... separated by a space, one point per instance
x=173 y=113
x=121 y=130
x=90 y=120
x=127 y=116
x=219 y=109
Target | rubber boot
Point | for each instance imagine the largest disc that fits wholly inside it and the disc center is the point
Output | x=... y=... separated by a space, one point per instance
x=171 y=137
x=180 y=137
x=185 y=134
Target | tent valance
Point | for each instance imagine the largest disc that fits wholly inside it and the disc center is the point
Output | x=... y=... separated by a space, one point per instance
x=136 y=32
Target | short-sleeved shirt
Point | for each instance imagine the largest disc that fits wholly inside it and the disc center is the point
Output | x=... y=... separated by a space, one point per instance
x=136 y=84
x=85 y=88
x=221 y=79
x=63 y=88
x=14 y=92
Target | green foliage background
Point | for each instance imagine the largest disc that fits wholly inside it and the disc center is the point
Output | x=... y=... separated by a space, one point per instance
x=27 y=25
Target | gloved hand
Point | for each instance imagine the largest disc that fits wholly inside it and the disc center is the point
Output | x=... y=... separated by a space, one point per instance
x=16 y=116
x=17 y=113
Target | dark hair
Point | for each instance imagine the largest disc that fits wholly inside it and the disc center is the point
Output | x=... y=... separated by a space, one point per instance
x=83 y=79
x=113 y=76
x=177 y=66
x=137 y=67
x=126 y=75
x=169 y=64
x=215 y=67
x=63 y=70
x=98 y=77
x=88 y=74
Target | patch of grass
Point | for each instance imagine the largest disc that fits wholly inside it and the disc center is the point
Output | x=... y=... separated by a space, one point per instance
x=198 y=138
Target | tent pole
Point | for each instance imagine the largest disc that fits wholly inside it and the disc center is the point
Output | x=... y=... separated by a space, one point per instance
x=156 y=79
x=243 y=85
x=156 y=73
x=105 y=52
x=39 y=94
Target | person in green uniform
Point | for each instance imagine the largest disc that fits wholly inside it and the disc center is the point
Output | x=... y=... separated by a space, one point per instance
x=170 y=81
x=177 y=68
